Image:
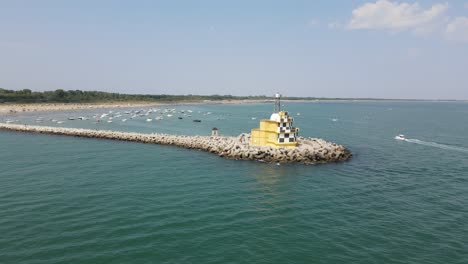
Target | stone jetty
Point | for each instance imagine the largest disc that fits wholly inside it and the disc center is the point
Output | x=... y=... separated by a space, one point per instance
x=308 y=150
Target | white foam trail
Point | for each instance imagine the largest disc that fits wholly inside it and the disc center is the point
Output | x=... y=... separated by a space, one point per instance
x=437 y=145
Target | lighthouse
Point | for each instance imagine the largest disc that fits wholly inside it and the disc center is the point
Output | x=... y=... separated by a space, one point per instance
x=278 y=131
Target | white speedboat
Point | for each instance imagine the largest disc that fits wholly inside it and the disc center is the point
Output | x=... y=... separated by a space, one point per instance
x=149 y=120
x=400 y=137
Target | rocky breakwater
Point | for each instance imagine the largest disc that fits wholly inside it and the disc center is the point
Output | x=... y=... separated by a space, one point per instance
x=308 y=151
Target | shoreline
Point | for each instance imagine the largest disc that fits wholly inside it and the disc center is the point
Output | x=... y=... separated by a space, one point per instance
x=15 y=108
x=53 y=107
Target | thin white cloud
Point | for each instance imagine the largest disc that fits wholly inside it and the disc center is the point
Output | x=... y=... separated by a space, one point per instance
x=387 y=15
x=395 y=16
x=457 y=29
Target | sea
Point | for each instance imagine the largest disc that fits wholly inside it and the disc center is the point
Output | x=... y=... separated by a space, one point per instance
x=78 y=200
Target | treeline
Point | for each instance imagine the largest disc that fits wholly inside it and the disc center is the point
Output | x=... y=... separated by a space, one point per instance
x=78 y=96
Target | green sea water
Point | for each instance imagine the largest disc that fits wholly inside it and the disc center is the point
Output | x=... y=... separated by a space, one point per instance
x=75 y=200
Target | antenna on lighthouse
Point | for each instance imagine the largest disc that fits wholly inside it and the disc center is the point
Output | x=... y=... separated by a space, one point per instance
x=277 y=102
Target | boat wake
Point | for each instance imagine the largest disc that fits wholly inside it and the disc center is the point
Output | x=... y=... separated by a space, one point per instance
x=437 y=145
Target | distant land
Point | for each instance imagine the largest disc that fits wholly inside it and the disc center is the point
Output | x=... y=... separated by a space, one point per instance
x=27 y=96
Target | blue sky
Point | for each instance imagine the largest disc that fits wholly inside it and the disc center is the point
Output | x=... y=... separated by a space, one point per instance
x=381 y=49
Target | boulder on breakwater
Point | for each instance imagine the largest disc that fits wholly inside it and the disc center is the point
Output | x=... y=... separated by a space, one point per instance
x=308 y=150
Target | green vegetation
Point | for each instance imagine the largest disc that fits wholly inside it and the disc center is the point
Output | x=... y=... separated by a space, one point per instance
x=78 y=96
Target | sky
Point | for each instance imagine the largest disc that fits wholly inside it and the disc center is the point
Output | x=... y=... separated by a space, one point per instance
x=335 y=48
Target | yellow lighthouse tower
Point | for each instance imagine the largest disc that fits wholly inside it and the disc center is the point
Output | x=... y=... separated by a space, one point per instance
x=276 y=131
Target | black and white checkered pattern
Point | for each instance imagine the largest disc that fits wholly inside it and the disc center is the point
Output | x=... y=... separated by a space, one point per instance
x=287 y=137
x=286 y=132
x=287 y=120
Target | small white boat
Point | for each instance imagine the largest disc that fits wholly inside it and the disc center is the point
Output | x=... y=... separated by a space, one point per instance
x=169 y=115
x=149 y=120
x=124 y=120
x=159 y=118
x=298 y=113
x=253 y=118
x=400 y=137
x=334 y=119
x=9 y=121
x=59 y=122
x=109 y=121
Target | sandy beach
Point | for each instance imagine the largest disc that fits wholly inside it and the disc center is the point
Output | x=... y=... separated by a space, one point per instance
x=49 y=107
